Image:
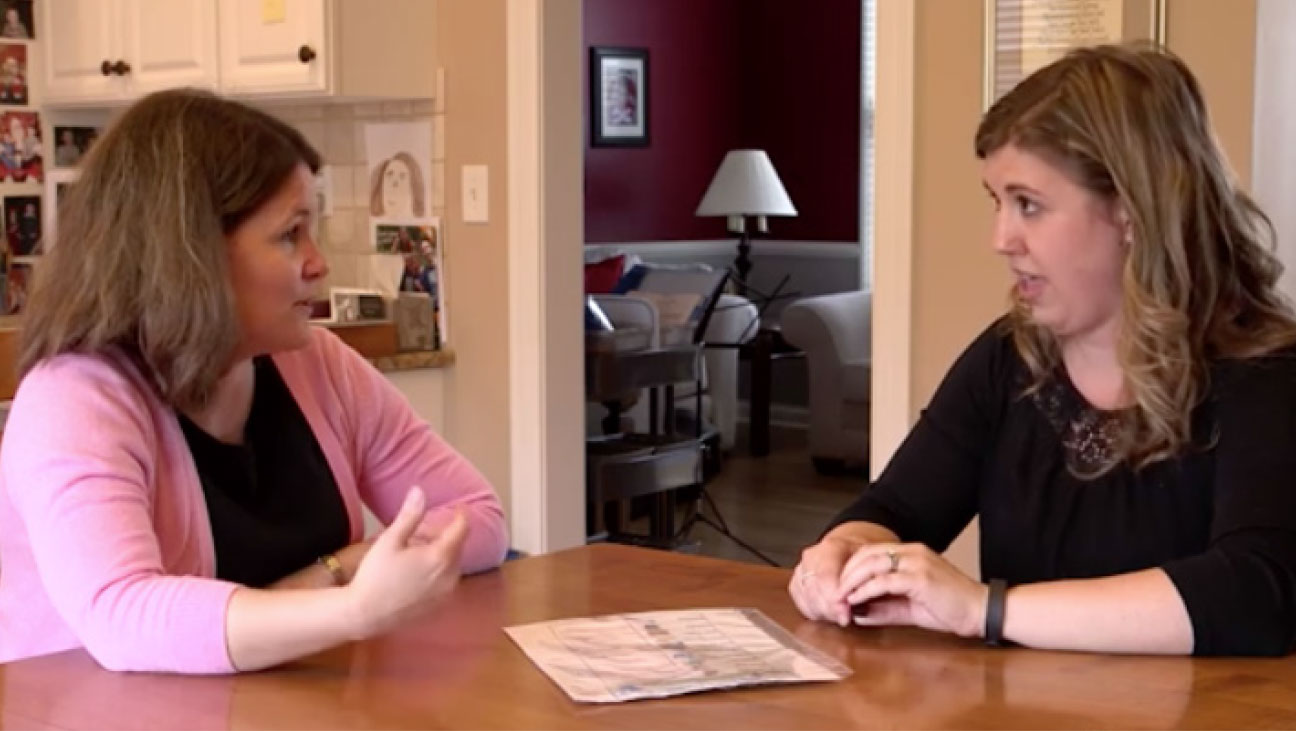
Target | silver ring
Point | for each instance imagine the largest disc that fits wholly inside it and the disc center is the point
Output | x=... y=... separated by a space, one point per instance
x=806 y=574
x=895 y=561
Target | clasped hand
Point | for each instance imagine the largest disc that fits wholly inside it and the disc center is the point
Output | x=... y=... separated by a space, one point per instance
x=873 y=584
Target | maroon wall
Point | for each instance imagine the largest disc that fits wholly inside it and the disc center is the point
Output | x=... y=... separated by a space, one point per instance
x=724 y=74
x=694 y=116
x=802 y=106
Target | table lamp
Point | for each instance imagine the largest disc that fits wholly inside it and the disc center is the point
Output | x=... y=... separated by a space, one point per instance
x=746 y=185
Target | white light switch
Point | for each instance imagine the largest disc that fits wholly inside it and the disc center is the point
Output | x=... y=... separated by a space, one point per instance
x=476 y=202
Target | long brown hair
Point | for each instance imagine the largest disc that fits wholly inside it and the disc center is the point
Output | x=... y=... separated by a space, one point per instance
x=139 y=263
x=1129 y=123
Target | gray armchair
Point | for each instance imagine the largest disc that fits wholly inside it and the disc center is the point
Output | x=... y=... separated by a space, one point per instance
x=835 y=331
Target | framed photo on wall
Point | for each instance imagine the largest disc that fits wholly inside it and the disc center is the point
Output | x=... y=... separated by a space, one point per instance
x=618 y=97
x=72 y=143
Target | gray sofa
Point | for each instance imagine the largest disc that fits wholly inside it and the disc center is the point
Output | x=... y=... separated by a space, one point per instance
x=835 y=331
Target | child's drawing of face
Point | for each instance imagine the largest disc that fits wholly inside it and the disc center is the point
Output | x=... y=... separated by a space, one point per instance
x=397 y=192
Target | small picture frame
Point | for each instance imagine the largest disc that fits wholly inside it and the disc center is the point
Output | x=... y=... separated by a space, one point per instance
x=17 y=282
x=348 y=305
x=57 y=181
x=23 y=223
x=13 y=74
x=17 y=21
x=21 y=149
x=618 y=97
x=71 y=144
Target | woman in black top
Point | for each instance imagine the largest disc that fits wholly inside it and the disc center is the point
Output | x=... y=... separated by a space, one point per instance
x=1127 y=432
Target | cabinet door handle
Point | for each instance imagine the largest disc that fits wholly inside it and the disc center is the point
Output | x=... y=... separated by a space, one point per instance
x=106 y=68
x=121 y=68
x=306 y=54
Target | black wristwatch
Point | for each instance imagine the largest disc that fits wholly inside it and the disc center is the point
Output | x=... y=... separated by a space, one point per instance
x=994 y=618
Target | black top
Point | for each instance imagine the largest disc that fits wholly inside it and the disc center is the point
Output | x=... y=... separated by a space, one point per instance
x=1220 y=520
x=273 y=503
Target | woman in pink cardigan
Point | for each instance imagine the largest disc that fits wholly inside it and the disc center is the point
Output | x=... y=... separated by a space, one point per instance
x=184 y=464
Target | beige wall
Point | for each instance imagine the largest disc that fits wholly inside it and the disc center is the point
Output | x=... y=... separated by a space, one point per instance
x=959 y=285
x=471 y=46
x=513 y=103
x=1218 y=40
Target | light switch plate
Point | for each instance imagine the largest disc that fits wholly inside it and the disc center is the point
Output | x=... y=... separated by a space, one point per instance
x=475 y=187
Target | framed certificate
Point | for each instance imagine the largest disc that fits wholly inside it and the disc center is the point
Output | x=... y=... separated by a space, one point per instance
x=1023 y=36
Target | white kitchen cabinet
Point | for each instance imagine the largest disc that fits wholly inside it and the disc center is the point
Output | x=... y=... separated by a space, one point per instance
x=337 y=49
x=275 y=47
x=101 y=52
x=105 y=51
x=79 y=37
x=169 y=43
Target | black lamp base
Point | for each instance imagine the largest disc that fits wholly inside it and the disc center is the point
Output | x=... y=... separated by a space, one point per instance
x=742 y=264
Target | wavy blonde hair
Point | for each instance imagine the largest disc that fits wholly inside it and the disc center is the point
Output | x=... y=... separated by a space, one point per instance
x=1129 y=123
x=139 y=264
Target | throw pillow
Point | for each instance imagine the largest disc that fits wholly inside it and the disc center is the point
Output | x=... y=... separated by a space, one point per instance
x=601 y=277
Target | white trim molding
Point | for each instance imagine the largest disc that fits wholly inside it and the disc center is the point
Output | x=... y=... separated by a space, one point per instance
x=722 y=247
x=547 y=509
x=893 y=222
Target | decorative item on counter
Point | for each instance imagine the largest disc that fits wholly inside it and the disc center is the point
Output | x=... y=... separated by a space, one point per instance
x=22 y=216
x=17 y=20
x=416 y=326
x=20 y=147
x=13 y=74
x=419 y=243
x=72 y=143
x=349 y=305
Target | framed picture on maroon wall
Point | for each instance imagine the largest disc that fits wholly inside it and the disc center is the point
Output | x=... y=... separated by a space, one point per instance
x=618 y=97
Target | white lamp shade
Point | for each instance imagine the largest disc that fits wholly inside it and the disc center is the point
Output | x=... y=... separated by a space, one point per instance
x=746 y=185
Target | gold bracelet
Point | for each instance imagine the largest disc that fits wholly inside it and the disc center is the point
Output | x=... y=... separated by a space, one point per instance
x=331 y=564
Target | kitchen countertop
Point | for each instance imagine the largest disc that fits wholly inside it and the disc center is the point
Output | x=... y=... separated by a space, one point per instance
x=415 y=360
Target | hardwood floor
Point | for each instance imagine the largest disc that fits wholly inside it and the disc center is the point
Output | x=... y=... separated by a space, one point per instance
x=778 y=503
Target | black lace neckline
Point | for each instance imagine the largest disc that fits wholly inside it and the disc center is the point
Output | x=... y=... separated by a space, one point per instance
x=1089 y=435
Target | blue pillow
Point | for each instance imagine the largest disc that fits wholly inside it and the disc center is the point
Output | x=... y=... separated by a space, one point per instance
x=631 y=280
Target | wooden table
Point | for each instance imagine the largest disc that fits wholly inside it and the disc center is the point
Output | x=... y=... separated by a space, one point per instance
x=459 y=670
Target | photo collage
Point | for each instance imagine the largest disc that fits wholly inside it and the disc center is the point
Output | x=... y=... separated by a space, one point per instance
x=21 y=159
x=25 y=158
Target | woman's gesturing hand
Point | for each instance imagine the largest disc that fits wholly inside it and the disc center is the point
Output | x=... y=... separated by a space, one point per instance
x=400 y=578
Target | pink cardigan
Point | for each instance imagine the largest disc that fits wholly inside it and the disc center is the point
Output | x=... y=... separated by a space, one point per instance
x=104 y=537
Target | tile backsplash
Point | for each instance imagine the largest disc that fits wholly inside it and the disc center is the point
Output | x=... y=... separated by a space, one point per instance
x=337 y=131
